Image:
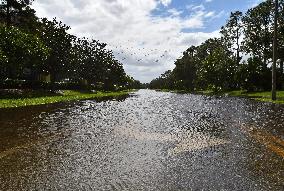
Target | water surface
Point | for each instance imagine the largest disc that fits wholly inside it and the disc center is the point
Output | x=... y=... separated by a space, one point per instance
x=149 y=141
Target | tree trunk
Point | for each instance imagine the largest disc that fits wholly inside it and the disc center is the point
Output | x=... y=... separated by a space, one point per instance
x=281 y=75
x=238 y=48
x=8 y=14
x=274 y=52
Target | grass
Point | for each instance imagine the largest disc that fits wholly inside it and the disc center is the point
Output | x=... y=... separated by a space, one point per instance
x=265 y=96
x=173 y=91
x=67 y=95
x=259 y=96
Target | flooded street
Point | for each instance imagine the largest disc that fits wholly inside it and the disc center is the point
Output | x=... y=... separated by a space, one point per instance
x=148 y=141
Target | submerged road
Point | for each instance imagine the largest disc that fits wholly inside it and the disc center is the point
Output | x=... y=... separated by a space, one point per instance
x=149 y=141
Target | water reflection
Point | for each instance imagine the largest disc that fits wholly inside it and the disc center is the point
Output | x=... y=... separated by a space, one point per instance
x=150 y=141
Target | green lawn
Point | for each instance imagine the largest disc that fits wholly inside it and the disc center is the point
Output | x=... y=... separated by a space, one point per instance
x=173 y=91
x=259 y=96
x=67 y=95
x=263 y=96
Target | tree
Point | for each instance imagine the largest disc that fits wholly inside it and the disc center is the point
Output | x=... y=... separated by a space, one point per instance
x=185 y=70
x=252 y=76
x=164 y=81
x=215 y=64
x=60 y=54
x=3 y=65
x=131 y=83
x=94 y=64
x=281 y=42
x=20 y=50
x=218 y=70
x=206 y=52
x=54 y=35
x=258 y=32
x=12 y=9
x=232 y=32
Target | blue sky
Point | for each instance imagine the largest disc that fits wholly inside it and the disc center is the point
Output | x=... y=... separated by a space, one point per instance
x=147 y=36
x=222 y=7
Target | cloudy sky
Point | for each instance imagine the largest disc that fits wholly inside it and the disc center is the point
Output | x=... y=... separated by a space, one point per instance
x=147 y=36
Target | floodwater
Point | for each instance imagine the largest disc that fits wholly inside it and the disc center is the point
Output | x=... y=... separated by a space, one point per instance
x=148 y=141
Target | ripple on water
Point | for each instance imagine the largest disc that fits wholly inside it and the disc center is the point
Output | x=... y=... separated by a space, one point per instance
x=150 y=141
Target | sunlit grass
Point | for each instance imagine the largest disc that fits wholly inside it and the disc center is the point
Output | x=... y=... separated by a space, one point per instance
x=173 y=91
x=266 y=96
x=68 y=95
x=259 y=96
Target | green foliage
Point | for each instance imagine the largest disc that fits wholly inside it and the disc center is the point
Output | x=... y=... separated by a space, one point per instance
x=3 y=58
x=165 y=81
x=232 y=32
x=258 y=31
x=3 y=63
x=20 y=50
x=31 y=48
x=131 y=83
x=252 y=74
x=93 y=62
x=54 y=35
x=16 y=12
x=185 y=70
x=208 y=66
x=217 y=71
x=215 y=65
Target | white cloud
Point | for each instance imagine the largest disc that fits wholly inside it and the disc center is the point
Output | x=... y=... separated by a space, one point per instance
x=166 y=2
x=147 y=45
x=210 y=14
x=174 y=12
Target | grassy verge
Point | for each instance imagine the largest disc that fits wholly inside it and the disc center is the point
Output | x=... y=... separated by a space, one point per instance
x=67 y=95
x=259 y=96
x=173 y=91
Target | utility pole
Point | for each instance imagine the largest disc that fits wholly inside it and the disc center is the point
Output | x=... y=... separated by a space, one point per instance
x=275 y=51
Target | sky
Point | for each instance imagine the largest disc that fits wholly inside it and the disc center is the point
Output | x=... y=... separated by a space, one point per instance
x=147 y=36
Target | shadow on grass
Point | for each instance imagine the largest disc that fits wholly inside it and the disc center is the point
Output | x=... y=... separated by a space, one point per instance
x=27 y=93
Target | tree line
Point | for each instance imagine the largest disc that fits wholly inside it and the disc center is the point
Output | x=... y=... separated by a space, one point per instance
x=40 y=53
x=240 y=59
